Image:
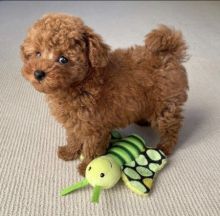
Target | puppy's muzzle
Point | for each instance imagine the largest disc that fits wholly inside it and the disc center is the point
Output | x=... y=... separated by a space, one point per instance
x=39 y=75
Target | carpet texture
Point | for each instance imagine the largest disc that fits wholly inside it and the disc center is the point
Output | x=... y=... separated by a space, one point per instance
x=31 y=175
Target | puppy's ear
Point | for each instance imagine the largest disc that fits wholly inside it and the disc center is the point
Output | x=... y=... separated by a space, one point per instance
x=98 y=51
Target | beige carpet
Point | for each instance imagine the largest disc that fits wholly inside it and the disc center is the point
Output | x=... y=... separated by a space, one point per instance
x=31 y=175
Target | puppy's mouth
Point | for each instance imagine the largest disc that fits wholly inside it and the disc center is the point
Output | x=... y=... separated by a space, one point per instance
x=43 y=87
x=38 y=85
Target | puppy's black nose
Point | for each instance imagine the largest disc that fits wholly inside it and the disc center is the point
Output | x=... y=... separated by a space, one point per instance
x=39 y=75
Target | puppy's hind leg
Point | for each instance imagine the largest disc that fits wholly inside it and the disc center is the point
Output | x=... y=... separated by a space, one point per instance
x=168 y=125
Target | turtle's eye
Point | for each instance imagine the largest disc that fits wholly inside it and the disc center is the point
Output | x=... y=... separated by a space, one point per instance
x=102 y=175
x=62 y=60
x=89 y=168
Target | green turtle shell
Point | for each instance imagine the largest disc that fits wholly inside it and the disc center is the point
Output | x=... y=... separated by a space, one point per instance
x=139 y=174
x=138 y=162
x=125 y=149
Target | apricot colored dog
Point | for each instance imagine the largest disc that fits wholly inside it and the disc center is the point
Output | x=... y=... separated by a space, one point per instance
x=92 y=90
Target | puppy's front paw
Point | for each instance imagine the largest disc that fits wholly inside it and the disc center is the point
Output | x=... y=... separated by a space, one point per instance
x=166 y=149
x=66 y=154
x=82 y=168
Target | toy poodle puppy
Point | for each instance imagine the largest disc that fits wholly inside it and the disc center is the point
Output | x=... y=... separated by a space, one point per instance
x=92 y=90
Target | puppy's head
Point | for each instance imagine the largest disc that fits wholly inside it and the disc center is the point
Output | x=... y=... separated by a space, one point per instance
x=60 y=51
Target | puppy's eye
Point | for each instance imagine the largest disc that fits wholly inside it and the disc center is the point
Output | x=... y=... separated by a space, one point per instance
x=62 y=60
x=90 y=168
x=38 y=54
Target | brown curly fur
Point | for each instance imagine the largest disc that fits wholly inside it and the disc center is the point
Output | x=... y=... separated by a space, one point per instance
x=99 y=90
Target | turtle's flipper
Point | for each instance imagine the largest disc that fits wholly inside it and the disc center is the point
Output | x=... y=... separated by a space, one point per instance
x=95 y=194
x=83 y=183
x=139 y=174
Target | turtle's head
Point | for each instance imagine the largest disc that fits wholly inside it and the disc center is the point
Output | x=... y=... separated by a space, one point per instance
x=103 y=172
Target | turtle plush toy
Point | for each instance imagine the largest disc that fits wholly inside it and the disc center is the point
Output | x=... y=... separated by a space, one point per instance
x=127 y=158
